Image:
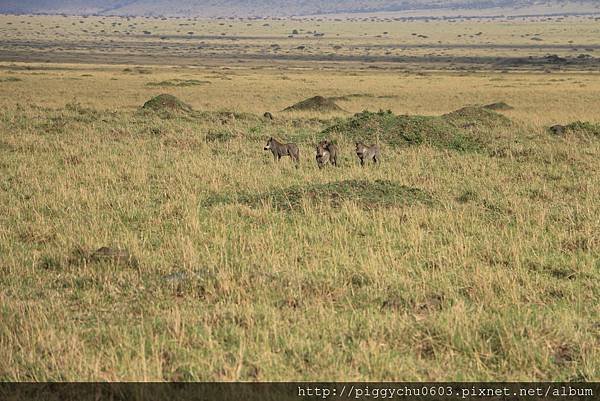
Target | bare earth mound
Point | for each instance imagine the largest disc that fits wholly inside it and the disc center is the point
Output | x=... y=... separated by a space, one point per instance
x=168 y=103
x=317 y=103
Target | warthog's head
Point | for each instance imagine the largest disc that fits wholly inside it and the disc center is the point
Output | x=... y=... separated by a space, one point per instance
x=268 y=145
x=360 y=148
x=322 y=149
x=322 y=155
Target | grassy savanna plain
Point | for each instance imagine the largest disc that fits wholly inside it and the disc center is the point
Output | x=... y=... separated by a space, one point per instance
x=446 y=262
x=430 y=43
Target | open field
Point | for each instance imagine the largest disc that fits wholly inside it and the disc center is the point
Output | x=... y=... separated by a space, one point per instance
x=471 y=253
x=386 y=42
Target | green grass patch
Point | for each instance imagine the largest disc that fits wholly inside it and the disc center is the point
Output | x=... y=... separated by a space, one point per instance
x=473 y=117
x=384 y=126
x=10 y=79
x=166 y=103
x=367 y=194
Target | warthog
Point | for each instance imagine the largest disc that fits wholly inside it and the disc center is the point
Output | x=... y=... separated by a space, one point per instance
x=326 y=152
x=283 y=149
x=366 y=153
x=268 y=115
x=557 y=129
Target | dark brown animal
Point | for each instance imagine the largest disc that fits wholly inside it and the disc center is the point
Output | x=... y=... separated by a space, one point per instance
x=326 y=153
x=366 y=153
x=557 y=129
x=268 y=115
x=283 y=149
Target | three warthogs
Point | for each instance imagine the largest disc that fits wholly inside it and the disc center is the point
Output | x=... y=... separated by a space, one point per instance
x=326 y=152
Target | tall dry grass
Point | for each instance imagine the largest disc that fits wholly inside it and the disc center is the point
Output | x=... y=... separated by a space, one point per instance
x=496 y=278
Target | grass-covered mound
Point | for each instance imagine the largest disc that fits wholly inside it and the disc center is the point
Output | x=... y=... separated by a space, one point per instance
x=477 y=117
x=460 y=130
x=367 y=194
x=167 y=103
x=316 y=103
x=583 y=128
x=384 y=126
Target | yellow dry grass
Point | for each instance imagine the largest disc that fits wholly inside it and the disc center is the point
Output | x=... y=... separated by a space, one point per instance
x=495 y=279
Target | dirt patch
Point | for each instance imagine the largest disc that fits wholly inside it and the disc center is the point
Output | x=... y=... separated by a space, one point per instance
x=367 y=194
x=316 y=103
x=167 y=103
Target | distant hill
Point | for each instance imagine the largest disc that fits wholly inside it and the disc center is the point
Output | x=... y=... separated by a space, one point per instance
x=264 y=8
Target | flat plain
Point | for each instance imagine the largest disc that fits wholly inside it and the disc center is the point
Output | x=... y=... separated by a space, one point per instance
x=471 y=253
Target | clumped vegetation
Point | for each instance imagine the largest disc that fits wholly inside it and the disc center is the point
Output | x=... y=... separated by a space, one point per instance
x=366 y=194
x=138 y=70
x=459 y=130
x=10 y=79
x=178 y=83
x=583 y=129
x=167 y=103
x=316 y=103
x=477 y=118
